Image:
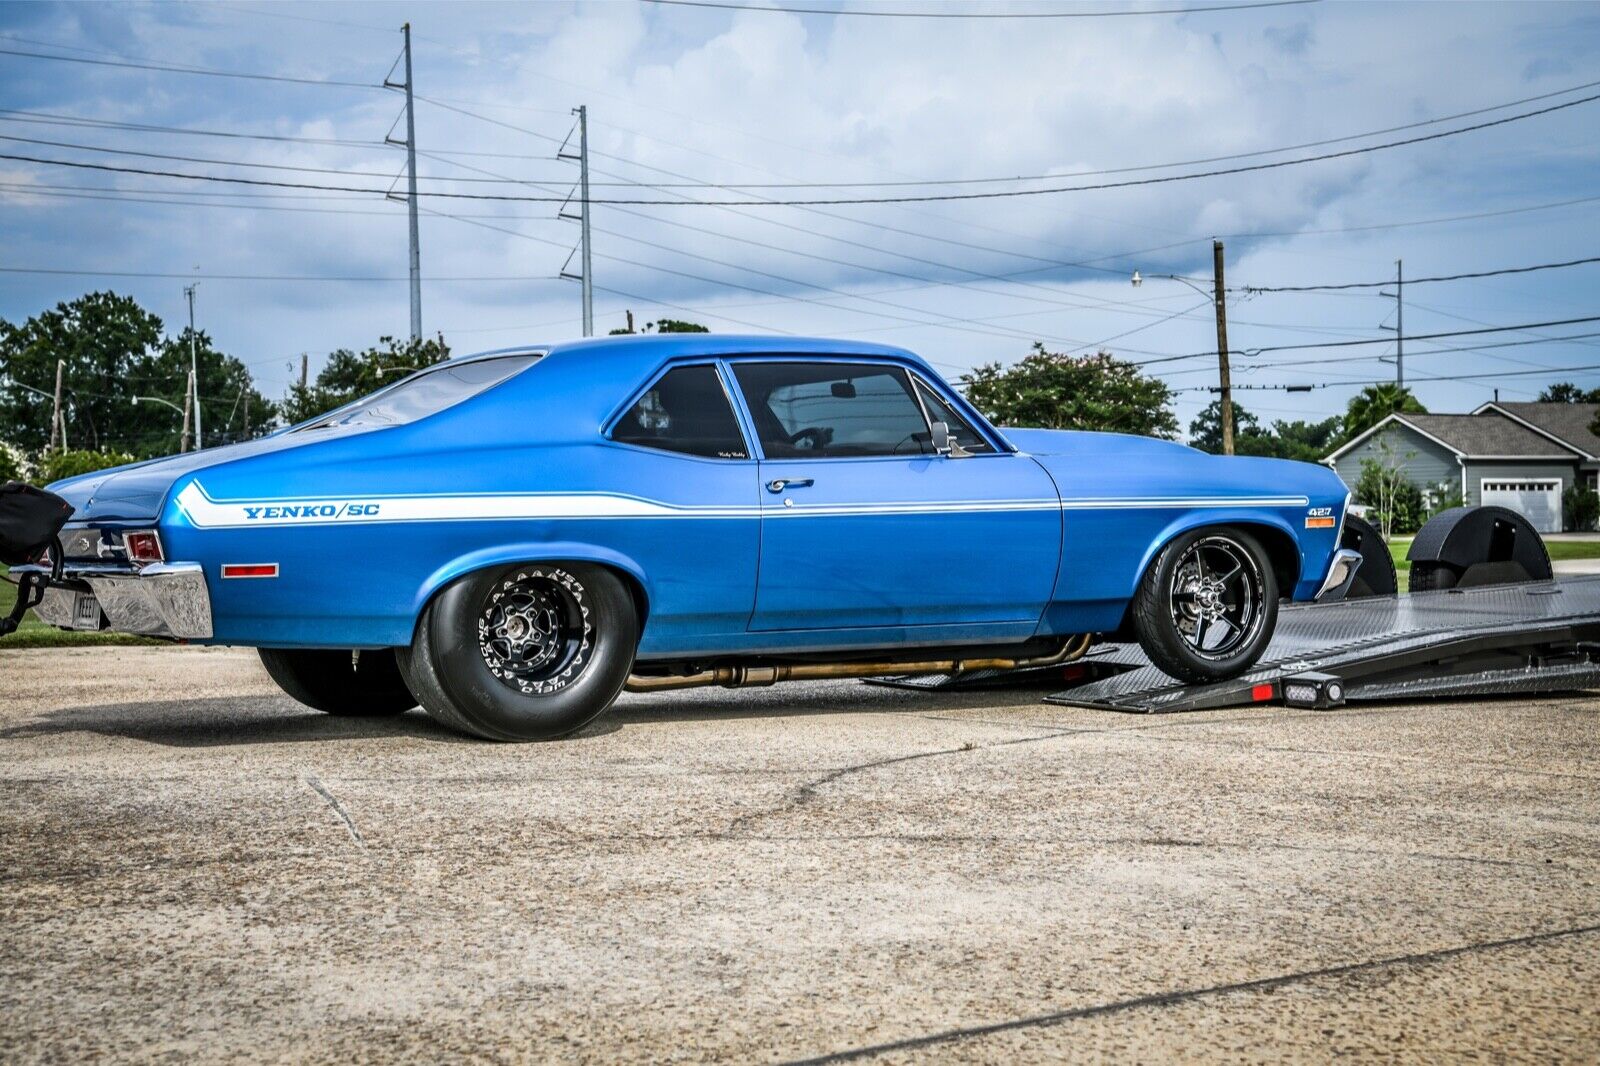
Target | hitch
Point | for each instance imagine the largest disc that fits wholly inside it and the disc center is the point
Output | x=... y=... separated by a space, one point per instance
x=30 y=525
x=30 y=592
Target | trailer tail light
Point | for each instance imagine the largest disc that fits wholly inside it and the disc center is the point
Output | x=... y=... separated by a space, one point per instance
x=249 y=570
x=143 y=546
x=1263 y=693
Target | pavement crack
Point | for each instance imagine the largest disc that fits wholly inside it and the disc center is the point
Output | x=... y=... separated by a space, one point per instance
x=338 y=808
x=808 y=791
x=1173 y=998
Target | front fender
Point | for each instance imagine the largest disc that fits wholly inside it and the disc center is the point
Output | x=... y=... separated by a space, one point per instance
x=1183 y=523
x=529 y=552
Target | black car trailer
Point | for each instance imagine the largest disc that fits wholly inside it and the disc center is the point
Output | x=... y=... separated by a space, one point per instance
x=1485 y=617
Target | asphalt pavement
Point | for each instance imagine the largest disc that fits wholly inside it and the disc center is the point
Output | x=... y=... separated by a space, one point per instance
x=192 y=866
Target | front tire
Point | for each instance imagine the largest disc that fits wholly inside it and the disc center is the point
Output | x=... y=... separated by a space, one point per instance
x=351 y=684
x=528 y=652
x=1206 y=608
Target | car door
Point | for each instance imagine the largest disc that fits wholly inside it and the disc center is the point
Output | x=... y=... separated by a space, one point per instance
x=865 y=524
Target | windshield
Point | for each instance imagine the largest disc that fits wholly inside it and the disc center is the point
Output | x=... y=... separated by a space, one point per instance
x=426 y=393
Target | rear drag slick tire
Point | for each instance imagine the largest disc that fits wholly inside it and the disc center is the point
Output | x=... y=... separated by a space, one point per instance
x=350 y=684
x=528 y=652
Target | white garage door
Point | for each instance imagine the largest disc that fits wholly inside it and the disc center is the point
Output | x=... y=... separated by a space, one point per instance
x=1538 y=501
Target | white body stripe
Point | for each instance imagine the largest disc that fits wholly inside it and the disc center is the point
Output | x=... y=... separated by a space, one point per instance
x=206 y=513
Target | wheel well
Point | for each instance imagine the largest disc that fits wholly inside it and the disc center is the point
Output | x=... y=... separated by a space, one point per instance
x=641 y=602
x=1281 y=549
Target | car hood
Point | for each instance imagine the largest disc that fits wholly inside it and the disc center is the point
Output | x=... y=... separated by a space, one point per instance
x=1070 y=441
x=136 y=492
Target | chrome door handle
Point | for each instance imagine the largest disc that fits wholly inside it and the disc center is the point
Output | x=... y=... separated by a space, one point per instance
x=780 y=484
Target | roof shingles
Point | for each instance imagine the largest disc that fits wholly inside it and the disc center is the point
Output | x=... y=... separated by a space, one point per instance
x=1568 y=421
x=1483 y=435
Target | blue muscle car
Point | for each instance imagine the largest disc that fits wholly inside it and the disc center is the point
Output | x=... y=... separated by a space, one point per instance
x=511 y=539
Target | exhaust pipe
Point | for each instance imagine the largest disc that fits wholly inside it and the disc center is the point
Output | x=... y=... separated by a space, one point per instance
x=753 y=676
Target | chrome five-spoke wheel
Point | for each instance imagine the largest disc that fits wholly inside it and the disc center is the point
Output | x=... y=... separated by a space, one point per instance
x=1206 y=607
x=1215 y=597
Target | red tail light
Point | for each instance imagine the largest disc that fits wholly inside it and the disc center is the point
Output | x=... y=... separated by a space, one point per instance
x=144 y=546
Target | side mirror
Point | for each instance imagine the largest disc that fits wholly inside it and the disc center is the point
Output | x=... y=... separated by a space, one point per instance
x=939 y=436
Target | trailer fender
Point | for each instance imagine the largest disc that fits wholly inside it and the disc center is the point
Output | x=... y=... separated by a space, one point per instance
x=1470 y=546
x=1376 y=575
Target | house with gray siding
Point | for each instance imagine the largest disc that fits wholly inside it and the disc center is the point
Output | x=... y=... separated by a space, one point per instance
x=1497 y=455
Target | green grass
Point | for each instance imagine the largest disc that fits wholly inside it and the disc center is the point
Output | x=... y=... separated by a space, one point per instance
x=1559 y=550
x=35 y=634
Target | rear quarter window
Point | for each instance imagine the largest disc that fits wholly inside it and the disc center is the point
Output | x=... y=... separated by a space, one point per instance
x=426 y=393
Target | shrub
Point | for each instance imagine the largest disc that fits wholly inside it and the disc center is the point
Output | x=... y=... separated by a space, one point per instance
x=54 y=466
x=14 y=463
x=1582 y=506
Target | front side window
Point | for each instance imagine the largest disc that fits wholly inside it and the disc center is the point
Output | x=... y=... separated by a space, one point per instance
x=686 y=411
x=833 y=410
x=961 y=431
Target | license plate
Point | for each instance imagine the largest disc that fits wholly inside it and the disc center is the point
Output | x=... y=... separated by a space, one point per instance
x=85 y=611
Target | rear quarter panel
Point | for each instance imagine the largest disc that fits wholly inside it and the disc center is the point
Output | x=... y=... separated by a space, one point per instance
x=464 y=489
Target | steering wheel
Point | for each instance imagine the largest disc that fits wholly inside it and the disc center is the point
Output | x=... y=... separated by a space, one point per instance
x=812 y=438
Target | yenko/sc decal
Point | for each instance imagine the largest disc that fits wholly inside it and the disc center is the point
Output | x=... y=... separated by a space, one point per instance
x=312 y=510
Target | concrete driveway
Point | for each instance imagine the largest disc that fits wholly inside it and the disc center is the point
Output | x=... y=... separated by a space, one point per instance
x=193 y=866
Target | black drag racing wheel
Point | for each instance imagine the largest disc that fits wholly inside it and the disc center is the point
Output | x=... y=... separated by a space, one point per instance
x=347 y=683
x=528 y=652
x=1205 y=609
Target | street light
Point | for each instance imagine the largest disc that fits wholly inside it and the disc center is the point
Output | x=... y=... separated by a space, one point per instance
x=184 y=411
x=157 y=399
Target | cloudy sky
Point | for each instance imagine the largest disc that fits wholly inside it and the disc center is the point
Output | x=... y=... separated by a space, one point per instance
x=683 y=97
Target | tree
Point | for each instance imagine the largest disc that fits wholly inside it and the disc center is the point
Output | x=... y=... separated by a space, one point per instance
x=1205 y=432
x=1394 y=503
x=1309 y=442
x=106 y=342
x=1055 y=391
x=115 y=350
x=1375 y=403
x=1582 y=506
x=662 y=325
x=350 y=375
x=1567 y=392
x=231 y=409
x=1306 y=441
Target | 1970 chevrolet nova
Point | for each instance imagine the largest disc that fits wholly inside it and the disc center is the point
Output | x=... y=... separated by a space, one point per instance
x=512 y=538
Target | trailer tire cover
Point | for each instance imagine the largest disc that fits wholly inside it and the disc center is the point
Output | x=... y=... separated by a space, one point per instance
x=30 y=518
x=1376 y=577
x=1470 y=546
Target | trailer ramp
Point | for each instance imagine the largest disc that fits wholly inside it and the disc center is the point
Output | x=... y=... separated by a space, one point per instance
x=1497 y=640
x=1492 y=640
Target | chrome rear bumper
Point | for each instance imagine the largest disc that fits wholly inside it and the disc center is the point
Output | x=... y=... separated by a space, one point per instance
x=157 y=600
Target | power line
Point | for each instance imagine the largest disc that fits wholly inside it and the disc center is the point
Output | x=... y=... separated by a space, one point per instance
x=263 y=166
x=874 y=13
x=48 y=118
x=926 y=198
x=906 y=183
x=269 y=277
x=1416 y=281
x=1522 y=327
x=206 y=71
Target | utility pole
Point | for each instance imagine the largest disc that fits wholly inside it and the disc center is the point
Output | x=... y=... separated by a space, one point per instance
x=1219 y=293
x=305 y=367
x=194 y=370
x=56 y=423
x=188 y=394
x=411 y=187
x=1399 y=326
x=583 y=183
